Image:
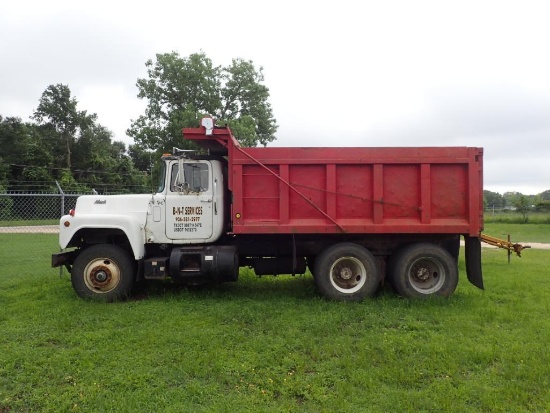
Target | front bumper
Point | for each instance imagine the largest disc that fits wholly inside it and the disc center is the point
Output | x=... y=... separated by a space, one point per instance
x=63 y=258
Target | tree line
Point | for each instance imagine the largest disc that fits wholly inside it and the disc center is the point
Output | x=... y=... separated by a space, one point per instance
x=64 y=143
x=518 y=202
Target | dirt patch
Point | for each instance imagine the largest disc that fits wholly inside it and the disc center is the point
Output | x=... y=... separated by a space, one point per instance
x=536 y=245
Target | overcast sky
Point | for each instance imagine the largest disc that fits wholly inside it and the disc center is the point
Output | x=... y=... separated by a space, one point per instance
x=349 y=73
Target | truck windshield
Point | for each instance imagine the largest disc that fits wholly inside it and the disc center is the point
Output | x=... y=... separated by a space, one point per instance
x=195 y=178
x=162 y=178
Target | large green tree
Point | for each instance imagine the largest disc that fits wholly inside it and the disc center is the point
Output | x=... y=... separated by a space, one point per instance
x=86 y=155
x=25 y=156
x=179 y=90
x=104 y=165
x=57 y=110
x=493 y=199
x=523 y=206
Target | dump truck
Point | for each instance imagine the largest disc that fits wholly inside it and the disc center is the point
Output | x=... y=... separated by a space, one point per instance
x=356 y=218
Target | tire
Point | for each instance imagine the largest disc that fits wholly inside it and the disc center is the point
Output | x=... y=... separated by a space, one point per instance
x=423 y=270
x=346 y=272
x=103 y=272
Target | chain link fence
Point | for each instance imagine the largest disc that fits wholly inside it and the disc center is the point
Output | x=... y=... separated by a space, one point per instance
x=29 y=227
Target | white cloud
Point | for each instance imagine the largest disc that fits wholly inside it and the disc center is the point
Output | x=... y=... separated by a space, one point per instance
x=340 y=73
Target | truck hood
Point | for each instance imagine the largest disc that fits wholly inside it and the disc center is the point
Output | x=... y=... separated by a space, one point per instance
x=127 y=213
x=113 y=204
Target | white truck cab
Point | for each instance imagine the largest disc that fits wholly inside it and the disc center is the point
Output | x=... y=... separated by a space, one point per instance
x=188 y=207
x=119 y=238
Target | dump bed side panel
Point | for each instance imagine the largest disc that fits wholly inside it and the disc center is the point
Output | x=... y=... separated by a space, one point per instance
x=356 y=190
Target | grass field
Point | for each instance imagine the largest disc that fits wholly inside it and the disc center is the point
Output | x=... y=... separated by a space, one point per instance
x=519 y=232
x=514 y=217
x=272 y=345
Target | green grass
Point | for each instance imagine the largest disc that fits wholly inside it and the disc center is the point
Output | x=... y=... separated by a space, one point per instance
x=519 y=232
x=271 y=344
x=513 y=217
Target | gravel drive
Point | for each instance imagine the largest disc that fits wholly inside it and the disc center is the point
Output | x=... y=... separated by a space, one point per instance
x=39 y=229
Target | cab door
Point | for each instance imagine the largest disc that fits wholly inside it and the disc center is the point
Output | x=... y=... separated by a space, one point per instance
x=189 y=201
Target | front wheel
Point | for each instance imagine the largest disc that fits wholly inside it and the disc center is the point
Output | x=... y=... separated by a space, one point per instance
x=346 y=272
x=423 y=270
x=103 y=272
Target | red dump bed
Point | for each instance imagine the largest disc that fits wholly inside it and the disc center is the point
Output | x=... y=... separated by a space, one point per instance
x=351 y=190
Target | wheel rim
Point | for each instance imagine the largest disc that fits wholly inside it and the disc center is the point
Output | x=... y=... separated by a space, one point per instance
x=426 y=275
x=102 y=275
x=348 y=275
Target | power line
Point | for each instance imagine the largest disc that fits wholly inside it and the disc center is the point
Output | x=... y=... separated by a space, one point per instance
x=95 y=172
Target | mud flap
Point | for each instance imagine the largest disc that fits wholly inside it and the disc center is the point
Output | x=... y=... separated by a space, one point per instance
x=473 y=261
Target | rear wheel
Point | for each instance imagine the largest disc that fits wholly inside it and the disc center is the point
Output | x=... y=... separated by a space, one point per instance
x=423 y=270
x=346 y=272
x=103 y=272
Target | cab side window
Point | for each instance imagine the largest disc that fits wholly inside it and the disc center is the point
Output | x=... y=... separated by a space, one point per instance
x=195 y=178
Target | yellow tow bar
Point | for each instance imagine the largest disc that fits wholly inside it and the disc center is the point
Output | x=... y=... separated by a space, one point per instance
x=505 y=244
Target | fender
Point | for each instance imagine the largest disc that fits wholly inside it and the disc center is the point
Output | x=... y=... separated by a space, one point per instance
x=69 y=227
